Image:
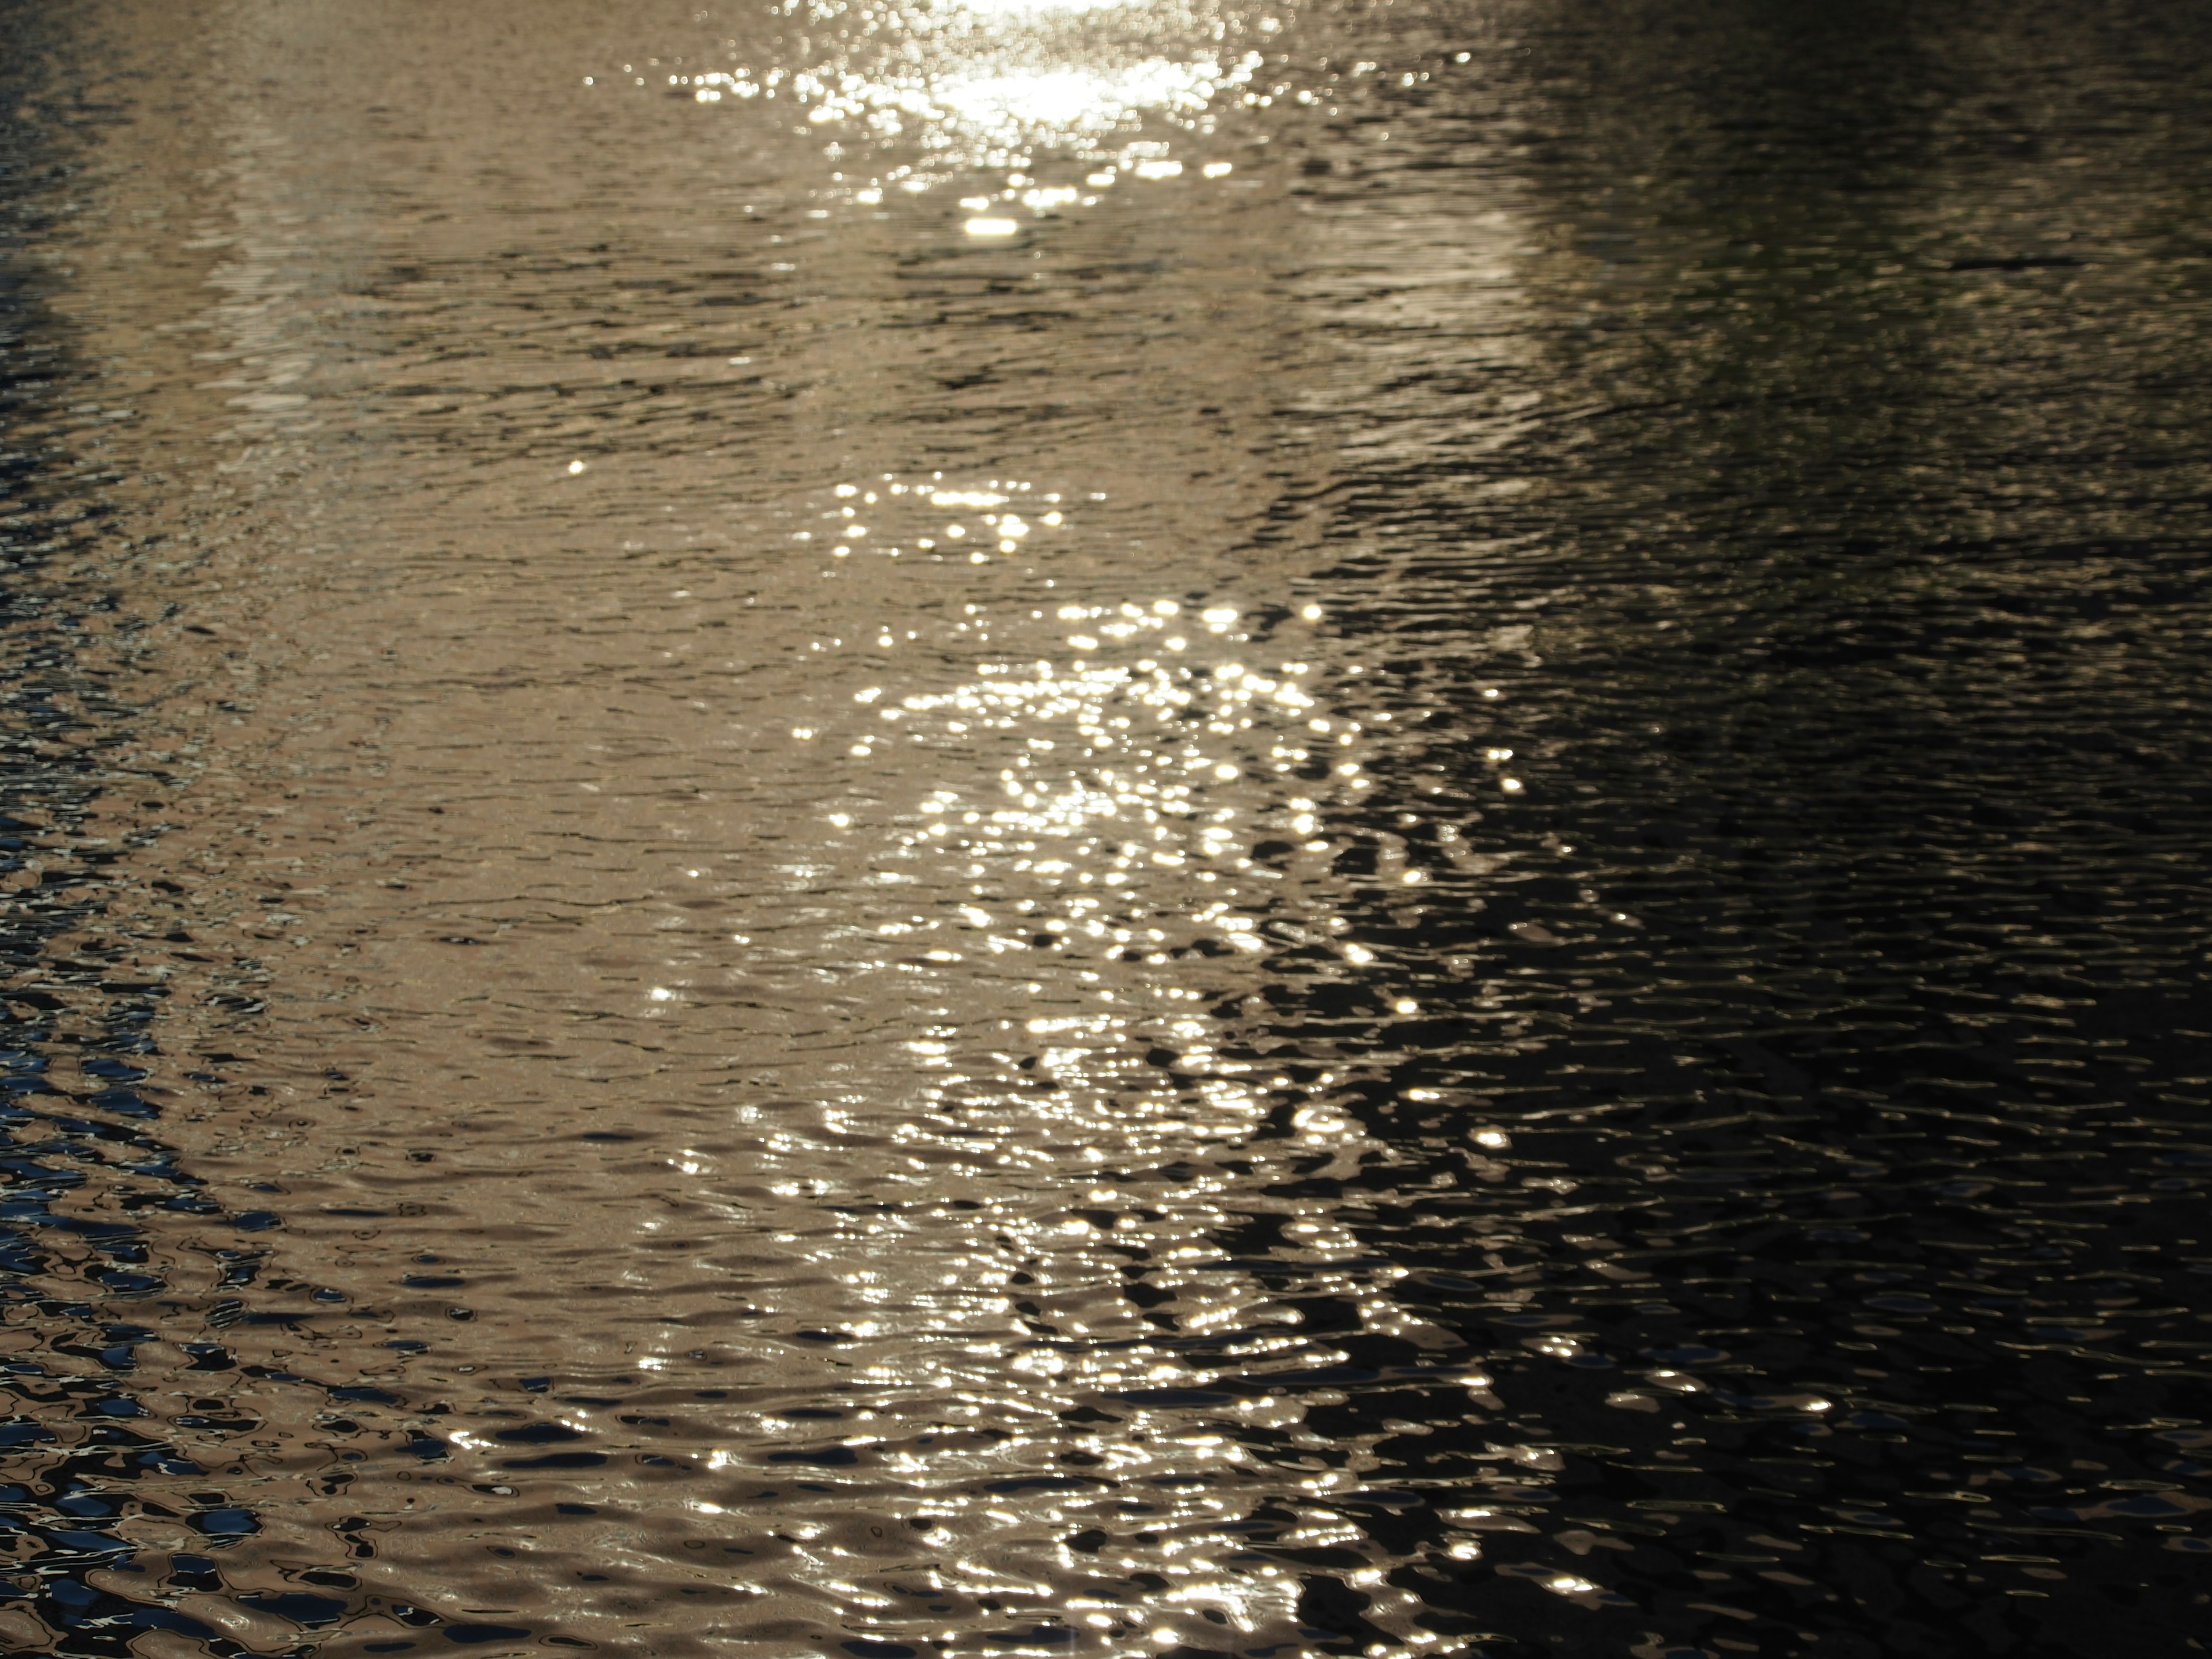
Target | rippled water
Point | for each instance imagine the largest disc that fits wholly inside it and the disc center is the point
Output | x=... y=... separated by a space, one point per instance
x=1120 y=829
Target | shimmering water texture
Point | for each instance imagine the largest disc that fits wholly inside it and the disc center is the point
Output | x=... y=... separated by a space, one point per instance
x=1106 y=829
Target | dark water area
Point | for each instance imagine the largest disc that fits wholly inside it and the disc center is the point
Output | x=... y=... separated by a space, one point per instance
x=1117 y=829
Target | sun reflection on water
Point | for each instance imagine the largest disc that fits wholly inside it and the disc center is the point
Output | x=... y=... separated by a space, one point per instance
x=1076 y=822
x=1002 y=82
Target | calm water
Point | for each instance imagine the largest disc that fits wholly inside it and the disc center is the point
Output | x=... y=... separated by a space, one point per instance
x=1107 y=830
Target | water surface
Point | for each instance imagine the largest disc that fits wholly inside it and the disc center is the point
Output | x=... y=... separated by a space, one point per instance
x=1105 y=829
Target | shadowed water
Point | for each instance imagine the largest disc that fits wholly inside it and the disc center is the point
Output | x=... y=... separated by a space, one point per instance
x=1105 y=829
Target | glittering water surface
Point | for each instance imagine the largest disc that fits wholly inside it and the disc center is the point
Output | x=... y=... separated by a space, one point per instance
x=1109 y=828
